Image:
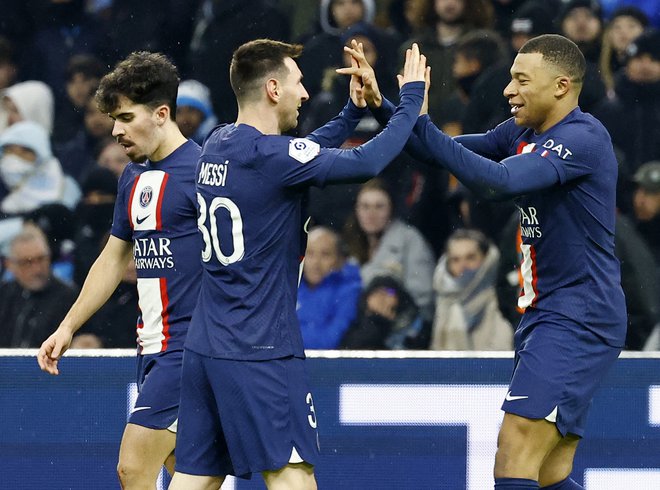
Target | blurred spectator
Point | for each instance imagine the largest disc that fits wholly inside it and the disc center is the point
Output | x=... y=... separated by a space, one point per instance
x=82 y=77
x=328 y=292
x=64 y=31
x=409 y=17
x=625 y=25
x=94 y=219
x=385 y=246
x=640 y=282
x=388 y=319
x=194 y=111
x=29 y=101
x=8 y=67
x=79 y=153
x=112 y=156
x=34 y=301
x=323 y=50
x=86 y=341
x=222 y=26
x=114 y=325
x=531 y=19
x=451 y=19
x=646 y=205
x=467 y=315
x=30 y=172
x=581 y=22
x=633 y=116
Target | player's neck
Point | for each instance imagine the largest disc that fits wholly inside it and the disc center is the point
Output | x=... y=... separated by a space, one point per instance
x=264 y=121
x=557 y=115
x=171 y=139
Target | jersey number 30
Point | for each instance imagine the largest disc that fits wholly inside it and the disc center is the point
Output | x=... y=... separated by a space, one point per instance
x=210 y=236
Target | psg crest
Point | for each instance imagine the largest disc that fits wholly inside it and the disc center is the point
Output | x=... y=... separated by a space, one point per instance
x=145 y=196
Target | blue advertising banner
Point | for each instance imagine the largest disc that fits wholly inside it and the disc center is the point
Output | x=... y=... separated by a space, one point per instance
x=428 y=421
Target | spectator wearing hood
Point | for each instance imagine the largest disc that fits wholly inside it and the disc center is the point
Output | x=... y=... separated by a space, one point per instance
x=324 y=50
x=632 y=117
x=467 y=314
x=31 y=174
x=194 y=111
x=646 y=205
x=531 y=19
x=28 y=101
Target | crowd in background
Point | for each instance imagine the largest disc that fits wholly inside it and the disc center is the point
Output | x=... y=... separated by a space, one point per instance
x=410 y=260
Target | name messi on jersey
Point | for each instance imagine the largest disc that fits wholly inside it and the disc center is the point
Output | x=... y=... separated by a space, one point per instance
x=153 y=253
x=213 y=173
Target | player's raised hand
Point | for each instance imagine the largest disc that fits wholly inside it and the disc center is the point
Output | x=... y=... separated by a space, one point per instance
x=355 y=87
x=52 y=350
x=363 y=71
x=414 y=69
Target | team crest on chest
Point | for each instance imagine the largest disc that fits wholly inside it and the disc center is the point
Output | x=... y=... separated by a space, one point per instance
x=146 y=195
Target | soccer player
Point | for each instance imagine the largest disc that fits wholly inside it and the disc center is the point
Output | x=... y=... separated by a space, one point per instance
x=558 y=165
x=155 y=220
x=245 y=402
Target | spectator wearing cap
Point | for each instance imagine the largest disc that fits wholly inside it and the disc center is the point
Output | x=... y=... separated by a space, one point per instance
x=632 y=117
x=581 y=22
x=31 y=174
x=531 y=19
x=646 y=204
x=194 y=111
x=626 y=24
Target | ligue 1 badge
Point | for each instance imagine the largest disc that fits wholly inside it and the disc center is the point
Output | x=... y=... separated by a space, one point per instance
x=145 y=196
x=303 y=149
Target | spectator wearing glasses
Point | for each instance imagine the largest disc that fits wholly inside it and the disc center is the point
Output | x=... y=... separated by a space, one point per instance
x=34 y=300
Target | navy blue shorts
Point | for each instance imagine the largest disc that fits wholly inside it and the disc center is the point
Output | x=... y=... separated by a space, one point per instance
x=559 y=364
x=159 y=390
x=243 y=417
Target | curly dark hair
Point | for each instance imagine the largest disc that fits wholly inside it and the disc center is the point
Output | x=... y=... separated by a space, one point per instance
x=144 y=78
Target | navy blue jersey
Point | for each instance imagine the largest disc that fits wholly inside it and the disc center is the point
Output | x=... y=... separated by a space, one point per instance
x=563 y=182
x=249 y=190
x=156 y=210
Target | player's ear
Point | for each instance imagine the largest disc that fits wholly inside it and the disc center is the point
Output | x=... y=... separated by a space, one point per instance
x=562 y=85
x=273 y=89
x=162 y=113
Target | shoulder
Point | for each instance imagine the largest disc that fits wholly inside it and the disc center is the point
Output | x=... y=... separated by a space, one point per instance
x=286 y=148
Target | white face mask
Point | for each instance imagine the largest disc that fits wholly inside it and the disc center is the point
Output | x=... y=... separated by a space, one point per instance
x=14 y=170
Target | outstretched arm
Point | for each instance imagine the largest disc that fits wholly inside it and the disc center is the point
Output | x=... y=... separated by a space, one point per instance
x=369 y=159
x=516 y=175
x=103 y=278
x=337 y=130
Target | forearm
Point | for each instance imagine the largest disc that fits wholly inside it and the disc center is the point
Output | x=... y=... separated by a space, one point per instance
x=103 y=277
x=488 y=178
x=369 y=159
x=337 y=130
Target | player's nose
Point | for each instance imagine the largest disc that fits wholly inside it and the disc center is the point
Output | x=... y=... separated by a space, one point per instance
x=304 y=96
x=509 y=90
x=117 y=129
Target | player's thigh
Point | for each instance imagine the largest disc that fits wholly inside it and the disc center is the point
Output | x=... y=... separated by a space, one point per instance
x=183 y=481
x=523 y=445
x=294 y=476
x=145 y=450
x=559 y=463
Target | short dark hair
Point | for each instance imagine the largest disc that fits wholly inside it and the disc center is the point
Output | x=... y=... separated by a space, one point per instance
x=87 y=65
x=483 y=45
x=560 y=52
x=254 y=60
x=483 y=244
x=144 y=78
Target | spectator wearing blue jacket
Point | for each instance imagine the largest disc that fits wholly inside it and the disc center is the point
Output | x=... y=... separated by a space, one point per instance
x=328 y=292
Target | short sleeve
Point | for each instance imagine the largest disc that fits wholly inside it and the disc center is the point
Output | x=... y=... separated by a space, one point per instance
x=121 y=223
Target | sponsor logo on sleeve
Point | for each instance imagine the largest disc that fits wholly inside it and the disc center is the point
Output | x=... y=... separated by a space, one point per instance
x=303 y=149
